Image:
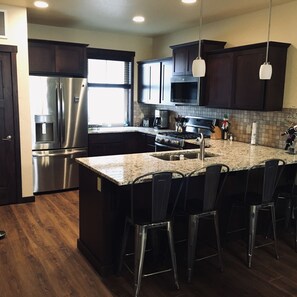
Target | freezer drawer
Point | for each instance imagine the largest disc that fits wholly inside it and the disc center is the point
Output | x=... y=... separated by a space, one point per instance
x=55 y=170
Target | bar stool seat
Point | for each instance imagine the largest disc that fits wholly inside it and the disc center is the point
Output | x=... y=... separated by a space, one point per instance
x=157 y=213
x=204 y=206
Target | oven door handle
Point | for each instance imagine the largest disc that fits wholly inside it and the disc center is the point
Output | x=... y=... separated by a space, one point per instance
x=157 y=144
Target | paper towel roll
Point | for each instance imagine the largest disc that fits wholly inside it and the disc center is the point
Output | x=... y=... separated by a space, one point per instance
x=254 y=133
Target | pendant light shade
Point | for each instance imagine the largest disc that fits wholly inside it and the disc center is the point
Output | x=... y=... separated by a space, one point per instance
x=265 y=71
x=198 y=66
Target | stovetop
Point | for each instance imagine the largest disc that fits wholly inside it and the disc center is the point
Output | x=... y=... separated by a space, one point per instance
x=180 y=135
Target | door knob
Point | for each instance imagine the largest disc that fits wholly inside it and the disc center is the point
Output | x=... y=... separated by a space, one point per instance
x=8 y=138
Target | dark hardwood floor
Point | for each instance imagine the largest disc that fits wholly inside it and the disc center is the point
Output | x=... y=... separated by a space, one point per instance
x=39 y=258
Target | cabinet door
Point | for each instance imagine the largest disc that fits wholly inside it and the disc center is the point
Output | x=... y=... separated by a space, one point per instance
x=219 y=80
x=155 y=83
x=192 y=55
x=41 y=58
x=180 y=61
x=166 y=73
x=71 y=60
x=149 y=76
x=248 y=88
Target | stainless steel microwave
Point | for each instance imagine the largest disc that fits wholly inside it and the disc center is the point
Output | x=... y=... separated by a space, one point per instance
x=185 y=90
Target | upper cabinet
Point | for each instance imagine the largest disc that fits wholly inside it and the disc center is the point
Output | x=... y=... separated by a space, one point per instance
x=154 y=81
x=184 y=54
x=57 y=58
x=232 y=77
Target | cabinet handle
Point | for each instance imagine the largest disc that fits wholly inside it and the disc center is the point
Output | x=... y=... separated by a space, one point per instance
x=163 y=80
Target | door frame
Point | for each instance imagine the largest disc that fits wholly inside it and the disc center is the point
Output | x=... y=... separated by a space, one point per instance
x=18 y=176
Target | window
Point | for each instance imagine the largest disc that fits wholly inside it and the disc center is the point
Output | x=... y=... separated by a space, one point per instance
x=110 y=88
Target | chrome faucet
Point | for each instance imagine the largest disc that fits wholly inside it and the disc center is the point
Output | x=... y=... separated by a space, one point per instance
x=202 y=146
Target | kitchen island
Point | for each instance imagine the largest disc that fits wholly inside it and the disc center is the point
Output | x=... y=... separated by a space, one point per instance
x=104 y=190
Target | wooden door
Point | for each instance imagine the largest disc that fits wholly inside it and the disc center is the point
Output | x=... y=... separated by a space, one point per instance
x=10 y=177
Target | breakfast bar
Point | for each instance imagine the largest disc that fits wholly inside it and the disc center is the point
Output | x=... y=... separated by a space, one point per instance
x=104 y=184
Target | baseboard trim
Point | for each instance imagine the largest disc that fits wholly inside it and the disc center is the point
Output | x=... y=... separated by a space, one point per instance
x=27 y=199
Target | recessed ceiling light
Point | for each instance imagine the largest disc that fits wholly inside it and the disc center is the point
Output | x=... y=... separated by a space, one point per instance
x=41 y=4
x=189 y=1
x=138 y=19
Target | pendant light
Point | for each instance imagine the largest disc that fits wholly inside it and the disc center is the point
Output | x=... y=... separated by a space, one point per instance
x=198 y=66
x=265 y=71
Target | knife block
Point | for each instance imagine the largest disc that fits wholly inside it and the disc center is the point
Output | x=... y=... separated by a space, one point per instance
x=217 y=134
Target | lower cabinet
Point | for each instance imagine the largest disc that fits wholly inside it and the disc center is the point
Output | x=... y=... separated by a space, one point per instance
x=103 y=144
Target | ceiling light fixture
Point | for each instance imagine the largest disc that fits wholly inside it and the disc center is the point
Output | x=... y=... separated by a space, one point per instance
x=41 y=4
x=188 y=1
x=138 y=19
x=198 y=66
x=265 y=71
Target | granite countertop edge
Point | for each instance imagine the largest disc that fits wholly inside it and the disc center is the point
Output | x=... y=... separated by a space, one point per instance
x=123 y=169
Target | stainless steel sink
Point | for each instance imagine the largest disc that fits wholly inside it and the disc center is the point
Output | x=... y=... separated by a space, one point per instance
x=174 y=156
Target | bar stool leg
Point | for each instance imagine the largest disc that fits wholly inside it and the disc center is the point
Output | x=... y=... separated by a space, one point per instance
x=295 y=219
x=140 y=243
x=192 y=241
x=216 y=224
x=2 y=234
x=172 y=252
x=274 y=229
x=252 y=232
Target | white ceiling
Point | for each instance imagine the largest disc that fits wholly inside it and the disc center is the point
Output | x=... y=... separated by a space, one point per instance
x=162 y=16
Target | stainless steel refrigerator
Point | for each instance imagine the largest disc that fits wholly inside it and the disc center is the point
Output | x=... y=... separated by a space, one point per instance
x=59 y=131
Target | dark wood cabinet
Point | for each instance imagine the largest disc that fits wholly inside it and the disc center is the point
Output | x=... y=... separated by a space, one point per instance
x=147 y=143
x=103 y=144
x=184 y=54
x=232 y=77
x=57 y=58
x=154 y=81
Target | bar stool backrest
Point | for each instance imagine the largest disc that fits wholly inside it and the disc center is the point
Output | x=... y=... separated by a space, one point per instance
x=263 y=180
x=163 y=199
x=213 y=184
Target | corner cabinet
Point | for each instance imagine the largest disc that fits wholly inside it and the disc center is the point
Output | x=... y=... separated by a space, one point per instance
x=184 y=54
x=57 y=58
x=154 y=81
x=232 y=77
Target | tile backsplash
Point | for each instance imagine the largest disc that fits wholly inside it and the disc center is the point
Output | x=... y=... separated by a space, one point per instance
x=270 y=125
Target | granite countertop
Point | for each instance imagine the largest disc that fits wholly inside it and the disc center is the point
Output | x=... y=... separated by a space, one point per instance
x=148 y=130
x=123 y=169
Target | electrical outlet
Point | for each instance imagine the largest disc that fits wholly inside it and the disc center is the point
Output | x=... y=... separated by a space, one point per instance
x=98 y=184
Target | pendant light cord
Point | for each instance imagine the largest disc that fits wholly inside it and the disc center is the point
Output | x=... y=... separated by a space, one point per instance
x=199 y=32
x=268 y=35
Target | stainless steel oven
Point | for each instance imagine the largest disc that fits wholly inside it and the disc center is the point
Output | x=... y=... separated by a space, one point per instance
x=168 y=141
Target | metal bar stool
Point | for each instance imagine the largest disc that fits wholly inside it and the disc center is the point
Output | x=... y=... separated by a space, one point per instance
x=288 y=194
x=165 y=188
x=260 y=185
x=206 y=205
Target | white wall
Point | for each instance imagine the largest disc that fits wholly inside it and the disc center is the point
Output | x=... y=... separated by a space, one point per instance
x=247 y=29
x=17 y=35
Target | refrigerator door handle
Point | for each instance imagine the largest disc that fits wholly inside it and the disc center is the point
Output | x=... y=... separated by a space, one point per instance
x=71 y=153
x=62 y=99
